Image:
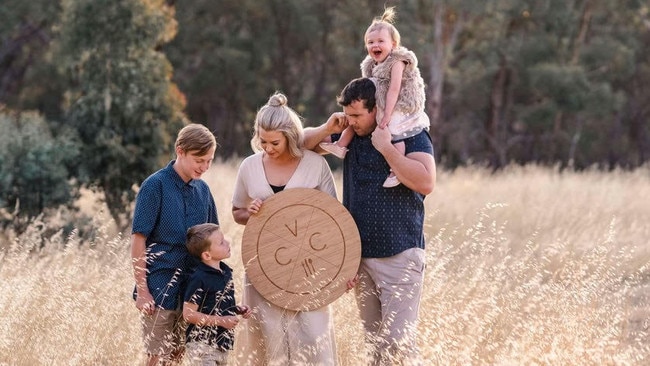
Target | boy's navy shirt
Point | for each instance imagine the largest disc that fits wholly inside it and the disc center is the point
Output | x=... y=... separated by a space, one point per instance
x=166 y=207
x=390 y=220
x=214 y=293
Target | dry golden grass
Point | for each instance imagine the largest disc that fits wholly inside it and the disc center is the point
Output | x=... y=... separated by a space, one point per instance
x=526 y=267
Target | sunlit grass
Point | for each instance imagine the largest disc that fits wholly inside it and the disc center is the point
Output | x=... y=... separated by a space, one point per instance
x=528 y=266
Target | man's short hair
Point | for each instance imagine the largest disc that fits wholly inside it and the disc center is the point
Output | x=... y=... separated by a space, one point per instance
x=362 y=89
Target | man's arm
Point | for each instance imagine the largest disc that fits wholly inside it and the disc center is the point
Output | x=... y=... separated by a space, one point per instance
x=416 y=170
x=336 y=123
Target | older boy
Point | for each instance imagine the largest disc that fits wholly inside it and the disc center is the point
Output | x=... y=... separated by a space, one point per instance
x=169 y=202
x=209 y=305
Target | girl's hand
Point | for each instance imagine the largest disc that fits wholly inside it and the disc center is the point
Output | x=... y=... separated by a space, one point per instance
x=384 y=122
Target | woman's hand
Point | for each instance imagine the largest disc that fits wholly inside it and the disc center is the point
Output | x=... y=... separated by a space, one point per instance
x=352 y=283
x=254 y=206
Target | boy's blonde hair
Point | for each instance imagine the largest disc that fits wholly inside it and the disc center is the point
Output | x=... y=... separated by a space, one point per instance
x=276 y=115
x=385 y=21
x=197 y=239
x=195 y=138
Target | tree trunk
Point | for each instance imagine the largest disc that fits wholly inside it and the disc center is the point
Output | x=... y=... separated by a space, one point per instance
x=555 y=137
x=14 y=65
x=580 y=39
x=577 y=45
x=498 y=99
x=574 y=142
x=446 y=27
x=615 y=136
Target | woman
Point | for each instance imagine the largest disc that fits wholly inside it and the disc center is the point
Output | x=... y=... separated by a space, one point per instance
x=274 y=335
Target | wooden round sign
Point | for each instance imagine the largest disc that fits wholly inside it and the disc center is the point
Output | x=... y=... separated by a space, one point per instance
x=300 y=249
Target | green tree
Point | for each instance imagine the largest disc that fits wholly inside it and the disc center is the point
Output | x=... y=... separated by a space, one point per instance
x=122 y=102
x=214 y=62
x=28 y=76
x=618 y=53
x=507 y=81
x=230 y=55
x=34 y=166
x=522 y=88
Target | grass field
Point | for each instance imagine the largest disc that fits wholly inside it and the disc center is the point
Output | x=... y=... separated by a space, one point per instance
x=529 y=266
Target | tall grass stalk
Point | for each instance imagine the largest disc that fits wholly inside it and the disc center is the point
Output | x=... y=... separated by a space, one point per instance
x=528 y=266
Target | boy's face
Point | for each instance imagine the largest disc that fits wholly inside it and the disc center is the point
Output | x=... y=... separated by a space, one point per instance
x=192 y=166
x=219 y=247
x=359 y=118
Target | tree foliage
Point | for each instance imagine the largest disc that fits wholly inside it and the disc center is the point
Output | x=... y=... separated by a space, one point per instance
x=27 y=30
x=122 y=102
x=525 y=83
x=34 y=166
x=508 y=81
x=547 y=81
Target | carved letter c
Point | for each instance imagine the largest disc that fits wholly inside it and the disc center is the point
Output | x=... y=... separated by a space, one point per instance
x=276 y=257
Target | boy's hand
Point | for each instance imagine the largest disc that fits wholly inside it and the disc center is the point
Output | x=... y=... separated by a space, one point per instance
x=144 y=302
x=228 y=322
x=244 y=311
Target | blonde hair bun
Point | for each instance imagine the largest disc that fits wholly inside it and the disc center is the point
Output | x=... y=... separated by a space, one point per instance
x=277 y=100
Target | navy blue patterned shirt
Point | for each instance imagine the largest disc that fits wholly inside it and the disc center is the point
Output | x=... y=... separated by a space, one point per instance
x=165 y=208
x=390 y=220
x=214 y=294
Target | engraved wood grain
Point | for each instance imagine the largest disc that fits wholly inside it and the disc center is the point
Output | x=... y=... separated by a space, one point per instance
x=301 y=249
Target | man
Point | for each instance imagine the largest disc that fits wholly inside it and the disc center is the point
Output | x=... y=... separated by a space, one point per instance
x=390 y=220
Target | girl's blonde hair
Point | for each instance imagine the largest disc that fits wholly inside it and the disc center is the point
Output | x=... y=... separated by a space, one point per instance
x=385 y=21
x=276 y=115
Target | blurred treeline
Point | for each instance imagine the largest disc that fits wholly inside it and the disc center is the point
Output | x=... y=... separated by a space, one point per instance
x=105 y=84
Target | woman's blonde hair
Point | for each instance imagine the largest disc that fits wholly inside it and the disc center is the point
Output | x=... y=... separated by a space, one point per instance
x=385 y=21
x=276 y=115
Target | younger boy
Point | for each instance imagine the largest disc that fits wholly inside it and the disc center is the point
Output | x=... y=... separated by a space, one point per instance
x=209 y=306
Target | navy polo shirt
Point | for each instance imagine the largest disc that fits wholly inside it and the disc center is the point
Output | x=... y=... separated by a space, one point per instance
x=214 y=294
x=165 y=208
x=390 y=220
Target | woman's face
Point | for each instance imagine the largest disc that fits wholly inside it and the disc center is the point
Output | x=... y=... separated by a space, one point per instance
x=274 y=143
